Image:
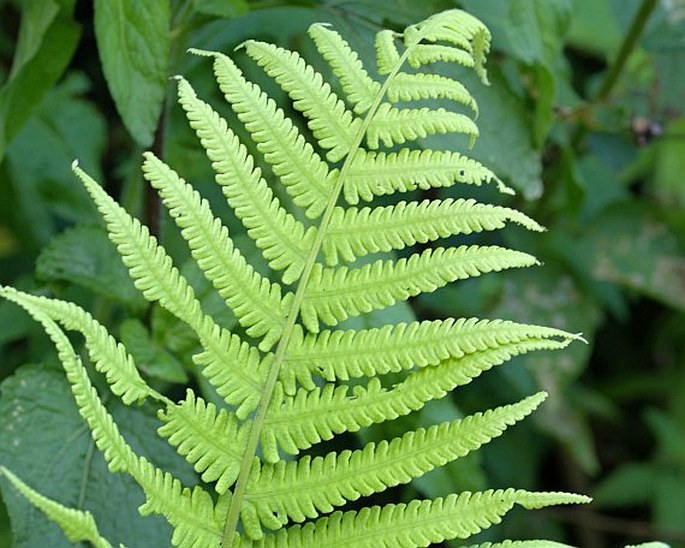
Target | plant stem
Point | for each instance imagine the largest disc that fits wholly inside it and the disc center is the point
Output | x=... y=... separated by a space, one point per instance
x=258 y=424
x=613 y=74
x=627 y=47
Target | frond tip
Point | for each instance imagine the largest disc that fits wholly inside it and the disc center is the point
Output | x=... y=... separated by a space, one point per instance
x=418 y=523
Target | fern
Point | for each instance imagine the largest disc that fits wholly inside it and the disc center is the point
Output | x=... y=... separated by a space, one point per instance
x=284 y=381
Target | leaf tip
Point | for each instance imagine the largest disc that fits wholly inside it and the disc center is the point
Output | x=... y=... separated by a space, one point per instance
x=201 y=52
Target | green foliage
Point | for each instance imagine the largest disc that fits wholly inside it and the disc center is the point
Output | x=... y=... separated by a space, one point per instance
x=600 y=170
x=256 y=384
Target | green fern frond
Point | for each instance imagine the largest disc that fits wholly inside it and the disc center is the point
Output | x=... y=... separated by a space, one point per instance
x=354 y=232
x=335 y=294
x=108 y=356
x=291 y=399
x=282 y=239
x=334 y=127
x=418 y=523
x=346 y=354
x=192 y=513
x=387 y=56
x=304 y=175
x=426 y=54
x=212 y=440
x=457 y=27
x=309 y=487
x=395 y=126
x=317 y=414
x=255 y=301
x=360 y=89
x=156 y=277
x=77 y=525
x=374 y=174
x=412 y=87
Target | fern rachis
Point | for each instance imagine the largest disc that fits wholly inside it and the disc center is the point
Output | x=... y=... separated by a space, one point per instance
x=288 y=392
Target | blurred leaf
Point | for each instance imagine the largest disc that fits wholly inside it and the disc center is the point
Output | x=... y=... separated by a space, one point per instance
x=629 y=485
x=670 y=438
x=46 y=443
x=400 y=12
x=222 y=8
x=84 y=256
x=47 y=40
x=506 y=143
x=628 y=245
x=666 y=43
x=38 y=163
x=532 y=31
x=133 y=43
x=594 y=27
x=548 y=297
x=669 y=510
x=150 y=357
x=670 y=164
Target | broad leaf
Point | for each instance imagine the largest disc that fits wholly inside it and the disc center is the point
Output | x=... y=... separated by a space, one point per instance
x=133 y=42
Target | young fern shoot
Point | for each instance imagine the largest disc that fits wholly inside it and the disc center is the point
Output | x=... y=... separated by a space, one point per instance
x=284 y=385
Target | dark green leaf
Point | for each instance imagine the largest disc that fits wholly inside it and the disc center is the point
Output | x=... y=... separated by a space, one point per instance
x=47 y=41
x=46 y=443
x=133 y=42
x=506 y=143
x=85 y=256
x=38 y=163
x=152 y=358
x=222 y=8
x=629 y=485
x=628 y=245
x=548 y=297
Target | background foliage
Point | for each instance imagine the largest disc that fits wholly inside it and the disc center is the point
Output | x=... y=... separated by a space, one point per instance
x=585 y=119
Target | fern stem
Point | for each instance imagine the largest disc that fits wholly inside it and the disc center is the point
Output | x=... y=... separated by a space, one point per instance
x=267 y=392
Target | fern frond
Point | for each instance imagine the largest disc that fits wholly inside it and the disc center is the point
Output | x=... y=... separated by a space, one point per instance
x=387 y=55
x=425 y=54
x=335 y=294
x=108 y=356
x=191 y=512
x=360 y=89
x=212 y=440
x=419 y=523
x=148 y=263
x=395 y=126
x=334 y=127
x=357 y=232
x=309 y=487
x=412 y=87
x=254 y=300
x=305 y=176
x=235 y=368
x=77 y=525
x=317 y=414
x=378 y=173
x=230 y=364
x=458 y=28
x=346 y=354
x=282 y=239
